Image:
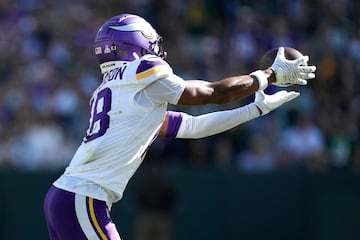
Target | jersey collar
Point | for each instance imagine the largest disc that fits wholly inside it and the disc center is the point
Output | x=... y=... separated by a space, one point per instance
x=107 y=66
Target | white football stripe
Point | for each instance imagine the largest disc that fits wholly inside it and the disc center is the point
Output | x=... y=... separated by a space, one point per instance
x=83 y=217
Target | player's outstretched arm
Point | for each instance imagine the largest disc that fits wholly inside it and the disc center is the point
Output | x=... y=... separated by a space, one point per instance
x=198 y=92
x=182 y=125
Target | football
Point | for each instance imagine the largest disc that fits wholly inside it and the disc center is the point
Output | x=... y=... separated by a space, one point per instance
x=268 y=58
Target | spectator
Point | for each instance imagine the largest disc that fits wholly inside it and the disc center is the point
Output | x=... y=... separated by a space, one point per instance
x=223 y=152
x=303 y=144
x=258 y=157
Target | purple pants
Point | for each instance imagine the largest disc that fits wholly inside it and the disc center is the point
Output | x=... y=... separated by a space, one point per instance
x=74 y=216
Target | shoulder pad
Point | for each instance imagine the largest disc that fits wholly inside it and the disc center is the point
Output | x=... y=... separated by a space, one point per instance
x=152 y=69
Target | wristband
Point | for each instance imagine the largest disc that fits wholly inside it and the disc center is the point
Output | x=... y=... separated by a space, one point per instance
x=262 y=79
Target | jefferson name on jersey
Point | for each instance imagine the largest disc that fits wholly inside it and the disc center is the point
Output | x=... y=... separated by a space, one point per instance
x=148 y=69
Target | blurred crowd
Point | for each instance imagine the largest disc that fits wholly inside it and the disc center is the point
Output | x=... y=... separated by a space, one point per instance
x=48 y=71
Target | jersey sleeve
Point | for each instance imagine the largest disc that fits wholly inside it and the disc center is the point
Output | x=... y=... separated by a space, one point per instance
x=164 y=90
x=152 y=69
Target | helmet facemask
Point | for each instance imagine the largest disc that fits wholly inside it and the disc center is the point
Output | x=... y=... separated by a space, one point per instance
x=158 y=48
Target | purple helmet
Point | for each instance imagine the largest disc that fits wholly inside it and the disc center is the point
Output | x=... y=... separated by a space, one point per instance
x=126 y=37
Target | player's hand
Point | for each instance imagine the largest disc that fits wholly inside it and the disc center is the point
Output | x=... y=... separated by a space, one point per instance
x=292 y=71
x=267 y=103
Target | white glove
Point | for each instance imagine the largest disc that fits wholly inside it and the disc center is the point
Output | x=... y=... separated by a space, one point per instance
x=291 y=71
x=267 y=103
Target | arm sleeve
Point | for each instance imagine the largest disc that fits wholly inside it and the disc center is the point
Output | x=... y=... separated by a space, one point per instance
x=182 y=125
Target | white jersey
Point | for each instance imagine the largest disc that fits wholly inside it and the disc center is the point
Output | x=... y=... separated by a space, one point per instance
x=120 y=129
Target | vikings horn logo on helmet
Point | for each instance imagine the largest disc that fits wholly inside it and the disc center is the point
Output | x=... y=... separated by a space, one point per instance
x=144 y=27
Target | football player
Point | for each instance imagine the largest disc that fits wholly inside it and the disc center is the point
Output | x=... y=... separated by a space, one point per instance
x=129 y=110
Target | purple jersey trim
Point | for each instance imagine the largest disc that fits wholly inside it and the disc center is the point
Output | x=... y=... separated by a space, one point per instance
x=146 y=65
x=175 y=119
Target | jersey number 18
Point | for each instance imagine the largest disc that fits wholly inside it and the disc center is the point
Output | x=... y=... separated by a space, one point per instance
x=99 y=119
